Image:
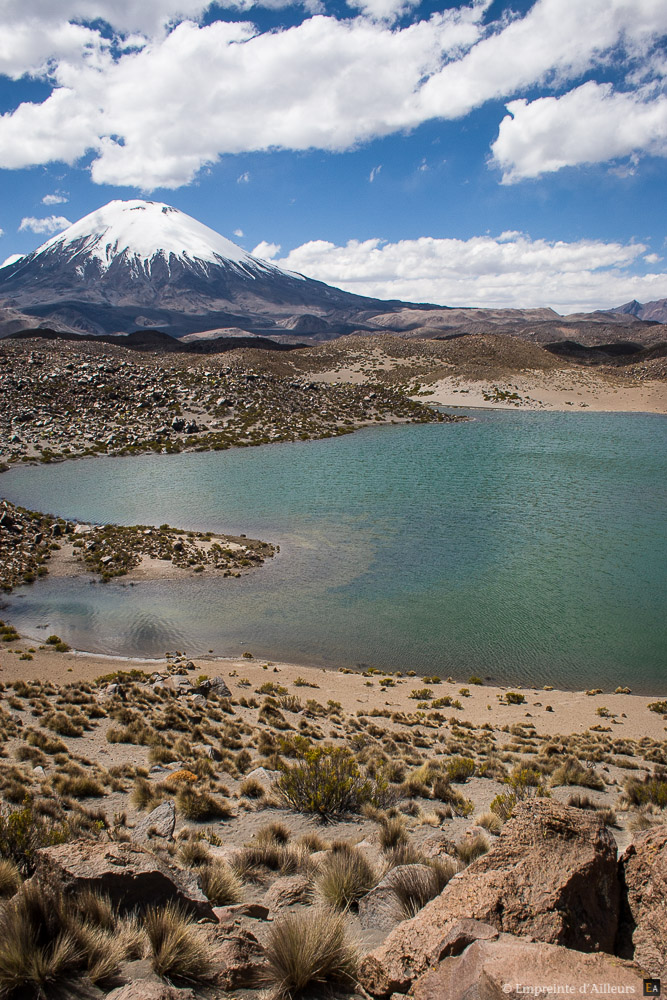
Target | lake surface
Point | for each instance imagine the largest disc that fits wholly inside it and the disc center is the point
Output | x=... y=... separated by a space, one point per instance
x=525 y=547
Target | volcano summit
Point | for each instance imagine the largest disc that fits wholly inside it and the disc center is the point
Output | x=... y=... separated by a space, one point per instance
x=143 y=264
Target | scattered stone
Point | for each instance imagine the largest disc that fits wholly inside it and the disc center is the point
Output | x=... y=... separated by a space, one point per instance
x=254 y=911
x=287 y=891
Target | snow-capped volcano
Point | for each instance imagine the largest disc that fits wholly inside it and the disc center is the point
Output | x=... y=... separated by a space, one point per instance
x=139 y=263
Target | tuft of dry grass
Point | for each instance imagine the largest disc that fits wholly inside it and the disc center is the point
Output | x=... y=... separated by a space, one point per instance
x=344 y=877
x=273 y=833
x=415 y=885
x=393 y=832
x=10 y=878
x=471 y=848
x=201 y=806
x=220 y=884
x=178 y=947
x=310 y=949
x=490 y=822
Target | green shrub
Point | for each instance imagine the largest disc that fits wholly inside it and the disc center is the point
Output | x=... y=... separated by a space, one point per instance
x=524 y=783
x=514 y=698
x=658 y=706
x=459 y=769
x=328 y=782
x=23 y=832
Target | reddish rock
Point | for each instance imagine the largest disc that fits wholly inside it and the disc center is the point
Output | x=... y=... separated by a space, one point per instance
x=287 y=891
x=239 y=955
x=513 y=967
x=235 y=911
x=150 y=991
x=642 y=932
x=129 y=874
x=552 y=875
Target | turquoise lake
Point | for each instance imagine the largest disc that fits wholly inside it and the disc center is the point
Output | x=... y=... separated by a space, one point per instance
x=525 y=547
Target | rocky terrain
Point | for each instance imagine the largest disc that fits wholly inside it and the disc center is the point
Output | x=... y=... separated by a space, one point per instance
x=62 y=400
x=186 y=835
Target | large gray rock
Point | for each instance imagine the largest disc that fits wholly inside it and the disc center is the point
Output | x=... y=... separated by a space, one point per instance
x=160 y=822
x=551 y=875
x=642 y=932
x=129 y=874
x=513 y=967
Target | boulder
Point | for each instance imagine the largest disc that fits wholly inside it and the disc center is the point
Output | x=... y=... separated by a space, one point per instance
x=179 y=684
x=214 y=685
x=240 y=957
x=380 y=908
x=552 y=875
x=288 y=890
x=642 y=931
x=146 y=990
x=129 y=874
x=236 y=911
x=159 y=823
x=514 y=967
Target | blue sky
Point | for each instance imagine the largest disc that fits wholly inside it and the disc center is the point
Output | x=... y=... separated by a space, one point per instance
x=481 y=153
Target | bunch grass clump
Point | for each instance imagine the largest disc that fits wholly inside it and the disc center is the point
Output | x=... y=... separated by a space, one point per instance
x=345 y=876
x=178 y=948
x=310 y=949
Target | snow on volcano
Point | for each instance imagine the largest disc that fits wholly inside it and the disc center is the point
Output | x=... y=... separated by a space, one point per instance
x=139 y=231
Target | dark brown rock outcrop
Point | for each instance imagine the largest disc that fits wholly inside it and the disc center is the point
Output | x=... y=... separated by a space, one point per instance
x=552 y=876
x=128 y=874
x=642 y=932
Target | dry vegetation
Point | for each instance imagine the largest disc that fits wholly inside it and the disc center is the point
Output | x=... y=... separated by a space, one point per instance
x=295 y=805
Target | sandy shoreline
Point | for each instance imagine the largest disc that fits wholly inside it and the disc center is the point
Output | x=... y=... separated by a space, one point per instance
x=551 y=712
x=563 y=391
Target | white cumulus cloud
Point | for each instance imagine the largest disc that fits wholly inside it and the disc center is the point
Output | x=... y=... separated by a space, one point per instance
x=54 y=199
x=591 y=124
x=50 y=224
x=158 y=105
x=266 y=251
x=511 y=270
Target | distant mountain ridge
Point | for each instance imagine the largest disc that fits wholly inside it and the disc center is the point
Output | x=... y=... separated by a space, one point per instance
x=146 y=266
x=652 y=312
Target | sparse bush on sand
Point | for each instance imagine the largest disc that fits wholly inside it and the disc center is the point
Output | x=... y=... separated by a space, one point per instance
x=328 y=782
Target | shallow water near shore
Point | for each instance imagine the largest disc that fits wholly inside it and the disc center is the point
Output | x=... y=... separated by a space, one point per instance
x=524 y=547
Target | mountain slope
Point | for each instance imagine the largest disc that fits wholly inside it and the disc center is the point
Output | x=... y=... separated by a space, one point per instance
x=654 y=312
x=144 y=264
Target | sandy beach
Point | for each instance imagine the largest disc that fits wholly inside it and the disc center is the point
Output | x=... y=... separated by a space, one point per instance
x=551 y=712
x=564 y=390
